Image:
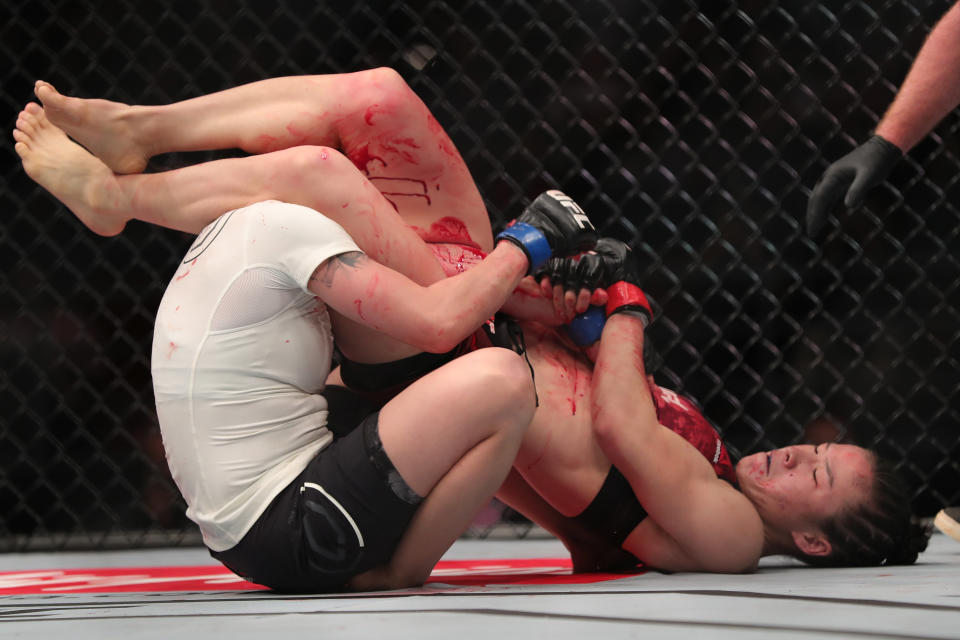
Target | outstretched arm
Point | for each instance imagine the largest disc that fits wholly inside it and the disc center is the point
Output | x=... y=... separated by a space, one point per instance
x=931 y=89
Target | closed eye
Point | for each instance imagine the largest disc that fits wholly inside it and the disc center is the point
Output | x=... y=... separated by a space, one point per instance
x=815 y=452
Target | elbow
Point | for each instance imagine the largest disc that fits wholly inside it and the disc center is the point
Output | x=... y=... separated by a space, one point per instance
x=602 y=428
x=623 y=414
x=617 y=423
x=607 y=427
x=734 y=564
x=439 y=335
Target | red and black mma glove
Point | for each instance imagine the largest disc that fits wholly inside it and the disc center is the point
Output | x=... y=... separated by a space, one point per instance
x=621 y=278
x=552 y=225
x=573 y=274
x=623 y=291
x=585 y=271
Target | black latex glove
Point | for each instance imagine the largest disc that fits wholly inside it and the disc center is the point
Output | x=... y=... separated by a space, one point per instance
x=854 y=175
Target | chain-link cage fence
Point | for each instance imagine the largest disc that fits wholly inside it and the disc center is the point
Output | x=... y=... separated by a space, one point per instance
x=695 y=131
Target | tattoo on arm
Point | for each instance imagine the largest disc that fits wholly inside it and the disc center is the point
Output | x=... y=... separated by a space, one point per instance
x=326 y=272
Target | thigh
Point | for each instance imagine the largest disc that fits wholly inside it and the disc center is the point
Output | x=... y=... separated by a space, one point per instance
x=344 y=514
x=429 y=426
x=325 y=180
x=405 y=152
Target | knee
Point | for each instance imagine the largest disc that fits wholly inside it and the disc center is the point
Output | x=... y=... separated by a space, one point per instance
x=386 y=82
x=304 y=161
x=508 y=383
x=385 y=79
x=387 y=89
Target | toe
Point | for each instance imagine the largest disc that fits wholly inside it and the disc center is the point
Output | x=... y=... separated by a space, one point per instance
x=25 y=122
x=44 y=91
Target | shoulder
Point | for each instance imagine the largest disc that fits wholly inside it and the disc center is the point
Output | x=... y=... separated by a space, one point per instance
x=721 y=533
x=682 y=416
x=735 y=544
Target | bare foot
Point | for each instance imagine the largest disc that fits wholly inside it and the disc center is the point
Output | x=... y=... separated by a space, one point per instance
x=65 y=169
x=101 y=126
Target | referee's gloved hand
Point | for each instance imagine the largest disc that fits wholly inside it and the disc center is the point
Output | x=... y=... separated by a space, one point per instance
x=851 y=177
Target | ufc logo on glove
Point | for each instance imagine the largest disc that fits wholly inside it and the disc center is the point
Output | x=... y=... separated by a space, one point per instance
x=578 y=213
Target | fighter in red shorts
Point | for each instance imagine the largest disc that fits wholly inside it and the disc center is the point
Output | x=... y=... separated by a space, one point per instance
x=831 y=504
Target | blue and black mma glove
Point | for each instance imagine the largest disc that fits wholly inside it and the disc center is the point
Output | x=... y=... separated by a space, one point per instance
x=552 y=225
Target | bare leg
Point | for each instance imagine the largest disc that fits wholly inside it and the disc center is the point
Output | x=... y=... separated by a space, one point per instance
x=373 y=116
x=452 y=449
x=102 y=126
x=188 y=199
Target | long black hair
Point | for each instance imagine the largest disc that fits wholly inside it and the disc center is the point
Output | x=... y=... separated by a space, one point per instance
x=879 y=531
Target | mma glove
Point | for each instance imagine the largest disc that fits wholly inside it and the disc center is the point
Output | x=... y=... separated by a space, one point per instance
x=572 y=274
x=552 y=225
x=623 y=275
x=851 y=177
x=585 y=271
x=618 y=274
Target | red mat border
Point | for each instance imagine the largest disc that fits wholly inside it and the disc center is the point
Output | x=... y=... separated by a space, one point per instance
x=463 y=573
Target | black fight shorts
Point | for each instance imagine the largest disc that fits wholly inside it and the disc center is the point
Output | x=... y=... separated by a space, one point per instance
x=344 y=514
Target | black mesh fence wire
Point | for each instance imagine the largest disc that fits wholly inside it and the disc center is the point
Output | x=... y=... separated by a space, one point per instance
x=695 y=131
